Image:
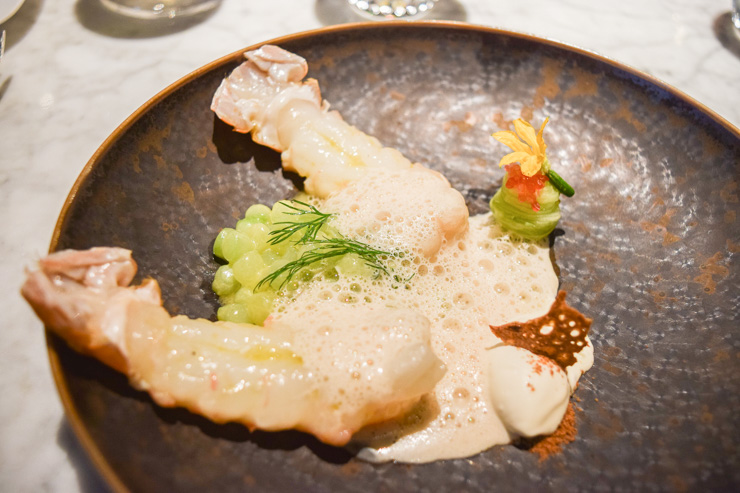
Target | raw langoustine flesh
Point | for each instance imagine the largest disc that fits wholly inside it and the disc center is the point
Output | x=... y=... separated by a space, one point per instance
x=268 y=97
x=269 y=377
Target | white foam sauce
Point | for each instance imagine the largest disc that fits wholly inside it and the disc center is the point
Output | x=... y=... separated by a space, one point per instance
x=482 y=277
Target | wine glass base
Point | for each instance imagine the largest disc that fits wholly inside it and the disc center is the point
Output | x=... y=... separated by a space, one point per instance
x=390 y=9
x=159 y=9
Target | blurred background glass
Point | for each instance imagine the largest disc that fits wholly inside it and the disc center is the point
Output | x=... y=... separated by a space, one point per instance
x=154 y=9
x=393 y=9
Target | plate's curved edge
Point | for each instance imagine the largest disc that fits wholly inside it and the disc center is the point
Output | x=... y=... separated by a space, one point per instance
x=82 y=434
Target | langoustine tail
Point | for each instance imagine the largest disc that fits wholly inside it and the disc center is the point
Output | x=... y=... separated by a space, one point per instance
x=83 y=295
x=224 y=371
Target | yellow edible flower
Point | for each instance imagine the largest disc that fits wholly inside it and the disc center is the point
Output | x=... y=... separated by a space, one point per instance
x=530 y=154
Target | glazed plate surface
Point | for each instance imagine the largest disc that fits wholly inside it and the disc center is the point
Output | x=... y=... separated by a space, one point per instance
x=648 y=248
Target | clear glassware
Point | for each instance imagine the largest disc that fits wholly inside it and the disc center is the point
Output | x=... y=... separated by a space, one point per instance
x=736 y=13
x=392 y=9
x=156 y=9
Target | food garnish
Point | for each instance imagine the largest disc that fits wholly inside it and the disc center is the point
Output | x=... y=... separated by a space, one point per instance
x=272 y=251
x=558 y=335
x=320 y=250
x=332 y=244
x=528 y=202
x=310 y=227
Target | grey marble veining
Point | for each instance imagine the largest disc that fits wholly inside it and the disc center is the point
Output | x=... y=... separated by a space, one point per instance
x=72 y=73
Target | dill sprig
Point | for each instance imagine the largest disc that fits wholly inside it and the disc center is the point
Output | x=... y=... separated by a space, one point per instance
x=310 y=228
x=324 y=249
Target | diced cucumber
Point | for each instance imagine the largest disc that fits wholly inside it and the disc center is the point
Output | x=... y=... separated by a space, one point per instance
x=224 y=282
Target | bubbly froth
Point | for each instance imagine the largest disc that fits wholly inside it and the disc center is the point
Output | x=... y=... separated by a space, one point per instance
x=462 y=280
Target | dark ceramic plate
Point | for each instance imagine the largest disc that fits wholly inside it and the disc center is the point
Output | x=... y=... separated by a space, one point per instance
x=647 y=247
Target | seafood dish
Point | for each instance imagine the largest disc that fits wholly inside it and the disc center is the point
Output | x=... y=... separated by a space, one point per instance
x=371 y=310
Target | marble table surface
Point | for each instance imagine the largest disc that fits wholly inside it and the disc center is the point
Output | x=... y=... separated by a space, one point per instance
x=72 y=72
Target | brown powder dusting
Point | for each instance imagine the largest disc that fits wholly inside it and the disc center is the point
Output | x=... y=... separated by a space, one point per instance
x=537 y=367
x=558 y=335
x=547 y=446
